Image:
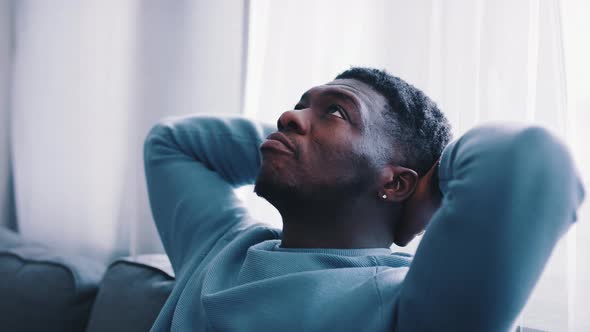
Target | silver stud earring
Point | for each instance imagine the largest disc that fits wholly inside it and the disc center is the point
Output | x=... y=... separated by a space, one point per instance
x=384 y=196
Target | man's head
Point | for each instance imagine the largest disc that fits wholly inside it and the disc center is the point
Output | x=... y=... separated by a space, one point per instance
x=364 y=135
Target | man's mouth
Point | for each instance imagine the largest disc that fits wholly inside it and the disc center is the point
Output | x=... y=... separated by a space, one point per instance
x=278 y=142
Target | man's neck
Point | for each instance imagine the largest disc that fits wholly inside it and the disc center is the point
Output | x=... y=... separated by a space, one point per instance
x=356 y=224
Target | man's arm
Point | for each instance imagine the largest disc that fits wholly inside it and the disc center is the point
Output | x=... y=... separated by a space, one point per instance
x=509 y=195
x=192 y=165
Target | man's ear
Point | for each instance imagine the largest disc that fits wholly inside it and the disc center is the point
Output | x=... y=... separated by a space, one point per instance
x=397 y=183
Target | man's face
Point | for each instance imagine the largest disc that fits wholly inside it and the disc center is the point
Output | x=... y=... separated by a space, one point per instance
x=333 y=144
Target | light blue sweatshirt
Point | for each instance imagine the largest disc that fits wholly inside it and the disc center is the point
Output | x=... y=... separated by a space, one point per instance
x=509 y=194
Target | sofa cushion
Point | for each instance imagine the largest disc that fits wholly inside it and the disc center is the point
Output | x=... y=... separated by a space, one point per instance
x=9 y=239
x=132 y=293
x=42 y=290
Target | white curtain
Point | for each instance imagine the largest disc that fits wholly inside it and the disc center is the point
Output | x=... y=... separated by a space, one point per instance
x=5 y=31
x=90 y=79
x=6 y=193
x=482 y=61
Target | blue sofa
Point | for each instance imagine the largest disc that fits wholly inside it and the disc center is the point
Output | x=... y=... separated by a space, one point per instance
x=44 y=290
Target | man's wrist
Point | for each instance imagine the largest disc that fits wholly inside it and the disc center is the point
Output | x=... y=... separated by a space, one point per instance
x=435 y=180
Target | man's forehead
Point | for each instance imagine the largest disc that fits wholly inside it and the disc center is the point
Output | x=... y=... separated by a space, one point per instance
x=357 y=88
x=360 y=91
x=349 y=83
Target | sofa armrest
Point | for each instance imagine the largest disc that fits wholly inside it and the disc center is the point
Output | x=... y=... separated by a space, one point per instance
x=42 y=289
x=132 y=293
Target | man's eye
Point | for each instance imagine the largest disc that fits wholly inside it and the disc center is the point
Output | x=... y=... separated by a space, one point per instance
x=337 y=111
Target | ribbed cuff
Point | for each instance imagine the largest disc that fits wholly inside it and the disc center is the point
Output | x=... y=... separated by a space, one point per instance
x=444 y=168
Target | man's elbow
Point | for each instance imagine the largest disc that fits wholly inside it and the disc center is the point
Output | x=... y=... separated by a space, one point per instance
x=545 y=163
x=157 y=141
x=537 y=151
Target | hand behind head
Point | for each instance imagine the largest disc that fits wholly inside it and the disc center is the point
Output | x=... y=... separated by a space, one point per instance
x=419 y=208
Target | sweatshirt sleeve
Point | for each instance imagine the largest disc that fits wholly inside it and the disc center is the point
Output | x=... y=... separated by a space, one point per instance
x=192 y=165
x=509 y=194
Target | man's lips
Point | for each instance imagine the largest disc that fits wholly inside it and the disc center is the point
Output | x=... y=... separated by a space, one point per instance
x=278 y=141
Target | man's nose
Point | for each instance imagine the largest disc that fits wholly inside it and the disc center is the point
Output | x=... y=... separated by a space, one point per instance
x=296 y=121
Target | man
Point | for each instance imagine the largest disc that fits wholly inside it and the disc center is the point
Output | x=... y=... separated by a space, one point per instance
x=352 y=169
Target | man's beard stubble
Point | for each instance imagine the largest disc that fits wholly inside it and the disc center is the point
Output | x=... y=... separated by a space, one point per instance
x=288 y=197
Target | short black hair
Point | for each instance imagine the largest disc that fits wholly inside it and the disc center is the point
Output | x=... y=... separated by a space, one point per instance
x=418 y=127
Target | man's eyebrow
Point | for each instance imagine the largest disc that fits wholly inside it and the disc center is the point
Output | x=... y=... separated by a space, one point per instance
x=342 y=95
x=338 y=94
x=332 y=92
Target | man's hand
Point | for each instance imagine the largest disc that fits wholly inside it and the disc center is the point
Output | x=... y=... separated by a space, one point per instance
x=419 y=208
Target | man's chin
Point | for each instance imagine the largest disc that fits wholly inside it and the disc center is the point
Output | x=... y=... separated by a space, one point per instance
x=265 y=187
x=272 y=189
